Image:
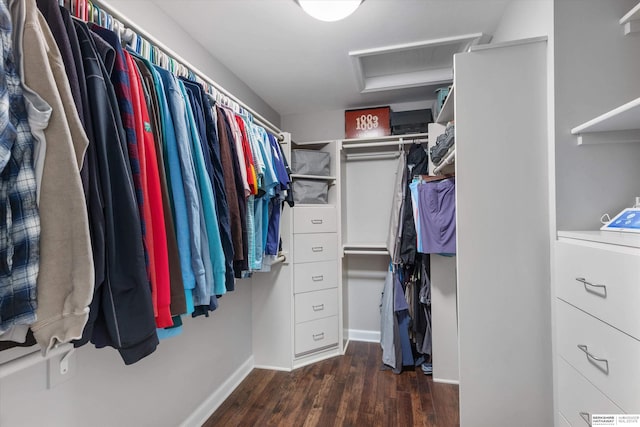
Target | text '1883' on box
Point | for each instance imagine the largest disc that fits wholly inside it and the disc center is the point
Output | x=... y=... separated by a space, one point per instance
x=369 y=122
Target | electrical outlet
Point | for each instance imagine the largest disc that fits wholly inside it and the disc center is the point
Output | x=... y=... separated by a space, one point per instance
x=61 y=368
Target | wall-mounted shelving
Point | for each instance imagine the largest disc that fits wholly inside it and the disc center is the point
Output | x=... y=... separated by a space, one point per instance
x=622 y=124
x=446 y=113
x=631 y=21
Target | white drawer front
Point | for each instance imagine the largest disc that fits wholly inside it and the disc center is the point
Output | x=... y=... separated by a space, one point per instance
x=315 y=219
x=314 y=276
x=578 y=398
x=619 y=273
x=316 y=334
x=315 y=247
x=617 y=375
x=316 y=305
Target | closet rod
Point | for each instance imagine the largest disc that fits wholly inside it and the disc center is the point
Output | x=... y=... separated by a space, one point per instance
x=450 y=159
x=383 y=144
x=259 y=119
x=372 y=156
x=28 y=360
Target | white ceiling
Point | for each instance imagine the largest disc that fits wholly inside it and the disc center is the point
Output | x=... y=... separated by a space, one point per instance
x=298 y=65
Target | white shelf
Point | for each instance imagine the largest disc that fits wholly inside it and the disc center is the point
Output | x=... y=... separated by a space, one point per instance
x=318 y=177
x=365 y=249
x=631 y=21
x=619 y=238
x=621 y=124
x=446 y=113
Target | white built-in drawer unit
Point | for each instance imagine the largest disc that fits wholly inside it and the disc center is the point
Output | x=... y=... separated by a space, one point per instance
x=316 y=305
x=608 y=358
x=321 y=219
x=315 y=247
x=578 y=399
x=315 y=276
x=316 y=335
x=605 y=283
x=597 y=285
x=315 y=279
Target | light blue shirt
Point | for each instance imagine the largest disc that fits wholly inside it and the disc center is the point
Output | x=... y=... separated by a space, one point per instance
x=177 y=108
x=216 y=252
x=176 y=190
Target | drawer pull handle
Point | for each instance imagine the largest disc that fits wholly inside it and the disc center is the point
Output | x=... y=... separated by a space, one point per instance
x=317 y=278
x=319 y=307
x=316 y=221
x=317 y=249
x=585 y=416
x=318 y=337
x=595 y=359
x=588 y=286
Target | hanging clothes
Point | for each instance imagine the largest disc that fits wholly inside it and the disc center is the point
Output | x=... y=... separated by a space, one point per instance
x=436 y=207
x=121 y=312
x=417 y=164
x=19 y=219
x=66 y=271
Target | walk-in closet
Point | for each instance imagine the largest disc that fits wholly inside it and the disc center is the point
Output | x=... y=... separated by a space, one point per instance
x=253 y=212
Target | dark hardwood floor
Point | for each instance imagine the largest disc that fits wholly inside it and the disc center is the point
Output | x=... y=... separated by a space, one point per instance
x=343 y=391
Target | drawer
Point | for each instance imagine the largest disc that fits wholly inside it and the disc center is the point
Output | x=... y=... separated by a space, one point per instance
x=618 y=374
x=314 y=276
x=315 y=247
x=316 y=335
x=315 y=219
x=618 y=272
x=578 y=398
x=316 y=305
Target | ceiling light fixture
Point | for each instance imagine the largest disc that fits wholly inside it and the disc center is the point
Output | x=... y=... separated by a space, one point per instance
x=329 y=10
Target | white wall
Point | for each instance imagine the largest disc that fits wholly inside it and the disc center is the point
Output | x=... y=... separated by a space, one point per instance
x=524 y=19
x=596 y=70
x=153 y=20
x=163 y=389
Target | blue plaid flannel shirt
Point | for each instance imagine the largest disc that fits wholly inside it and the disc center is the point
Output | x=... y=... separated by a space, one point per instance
x=19 y=219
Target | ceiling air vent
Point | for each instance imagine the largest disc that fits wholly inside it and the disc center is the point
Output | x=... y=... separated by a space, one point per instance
x=425 y=63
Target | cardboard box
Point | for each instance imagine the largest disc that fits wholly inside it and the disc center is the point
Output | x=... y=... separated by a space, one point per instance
x=367 y=122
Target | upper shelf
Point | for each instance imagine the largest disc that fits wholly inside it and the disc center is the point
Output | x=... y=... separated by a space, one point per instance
x=631 y=21
x=446 y=113
x=621 y=124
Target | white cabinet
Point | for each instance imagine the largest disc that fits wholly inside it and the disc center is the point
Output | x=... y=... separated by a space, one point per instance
x=297 y=308
x=595 y=273
x=596 y=317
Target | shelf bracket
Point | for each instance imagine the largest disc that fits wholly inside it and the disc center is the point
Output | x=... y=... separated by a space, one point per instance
x=620 y=136
x=632 y=26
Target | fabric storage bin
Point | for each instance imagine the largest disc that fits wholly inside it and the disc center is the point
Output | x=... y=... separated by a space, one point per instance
x=310 y=162
x=310 y=191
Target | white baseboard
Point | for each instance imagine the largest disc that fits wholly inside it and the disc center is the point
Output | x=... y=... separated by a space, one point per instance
x=273 y=368
x=209 y=406
x=367 y=336
x=445 y=381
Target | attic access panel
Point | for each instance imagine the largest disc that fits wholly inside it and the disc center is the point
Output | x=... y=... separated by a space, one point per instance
x=425 y=63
